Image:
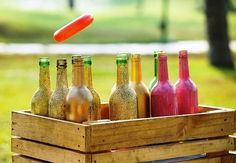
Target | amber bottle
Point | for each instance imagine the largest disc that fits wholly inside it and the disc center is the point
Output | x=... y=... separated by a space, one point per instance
x=139 y=87
x=96 y=112
x=79 y=101
x=57 y=102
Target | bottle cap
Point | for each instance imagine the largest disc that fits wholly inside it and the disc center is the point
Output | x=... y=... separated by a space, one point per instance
x=44 y=62
x=162 y=56
x=123 y=55
x=155 y=54
x=135 y=57
x=121 y=60
x=76 y=58
x=183 y=54
x=87 y=60
x=61 y=63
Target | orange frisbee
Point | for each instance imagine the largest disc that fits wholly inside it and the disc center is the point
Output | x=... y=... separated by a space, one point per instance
x=73 y=27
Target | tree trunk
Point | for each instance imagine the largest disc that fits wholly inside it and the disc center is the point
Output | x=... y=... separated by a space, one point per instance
x=217 y=29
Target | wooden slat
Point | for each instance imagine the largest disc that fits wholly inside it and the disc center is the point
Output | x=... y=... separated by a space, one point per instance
x=131 y=133
x=23 y=159
x=48 y=130
x=47 y=152
x=165 y=151
x=222 y=159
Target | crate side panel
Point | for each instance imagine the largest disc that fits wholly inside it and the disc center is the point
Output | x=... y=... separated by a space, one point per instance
x=131 y=133
x=165 y=151
x=47 y=152
x=222 y=159
x=48 y=130
x=23 y=159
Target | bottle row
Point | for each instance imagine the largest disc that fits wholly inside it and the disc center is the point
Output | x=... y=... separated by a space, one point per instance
x=128 y=100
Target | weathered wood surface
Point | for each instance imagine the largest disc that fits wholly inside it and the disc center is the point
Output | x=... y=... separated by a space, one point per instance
x=48 y=130
x=131 y=133
x=48 y=152
x=222 y=159
x=165 y=151
x=23 y=159
x=105 y=136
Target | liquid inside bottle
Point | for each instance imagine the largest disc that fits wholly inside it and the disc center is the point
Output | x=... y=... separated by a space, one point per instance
x=96 y=112
x=163 y=99
x=79 y=101
x=39 y=102
x=123 y=100
x=139 y=87
x=186 y=90
x=57 y=102
x=154 y=80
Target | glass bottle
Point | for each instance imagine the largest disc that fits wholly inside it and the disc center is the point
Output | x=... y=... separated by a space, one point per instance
x=163 y=99
x=139 y=87
x=57 y=102
x=79 y=101
x=121 y=55
x=39 y=102
x=154 y=80
x=186 y=90
x=123 y=100
x=96 y=112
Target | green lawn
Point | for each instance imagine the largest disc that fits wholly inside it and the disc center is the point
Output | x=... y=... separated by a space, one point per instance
x=116 y=23
x=19 y=80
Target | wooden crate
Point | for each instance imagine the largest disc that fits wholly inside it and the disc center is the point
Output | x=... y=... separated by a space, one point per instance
x=43 y=139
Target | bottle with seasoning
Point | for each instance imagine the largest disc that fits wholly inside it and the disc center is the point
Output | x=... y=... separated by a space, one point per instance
x=79 y=101
x=139 y=87
x=154 y=80
x=163 y=99
x=57 y=102
x=39 y=102
x=123 y=100
x=186 y=90
x=121 y=55
x=96 y=112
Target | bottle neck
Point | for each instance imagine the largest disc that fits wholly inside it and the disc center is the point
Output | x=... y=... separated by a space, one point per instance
x=183 y=68
x=162 y=71
x=136 y=71
x=78 y=75
x=44 y=78
x=122 y=74
x=155 y=67
x=88 y=76
x=62 y=78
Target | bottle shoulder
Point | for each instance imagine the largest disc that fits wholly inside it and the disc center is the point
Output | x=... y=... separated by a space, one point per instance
x=80 y=92
x=162 y=87
x=185 y=84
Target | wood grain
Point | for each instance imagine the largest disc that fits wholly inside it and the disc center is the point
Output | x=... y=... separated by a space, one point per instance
x=165 y=151
x=47 y=152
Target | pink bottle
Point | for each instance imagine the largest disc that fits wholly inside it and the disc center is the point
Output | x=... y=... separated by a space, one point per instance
x=186 y=90
x=163 y=99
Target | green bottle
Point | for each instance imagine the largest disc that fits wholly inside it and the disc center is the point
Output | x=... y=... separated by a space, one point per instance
x=154 y=80
x=123 y=100
x=39 y=102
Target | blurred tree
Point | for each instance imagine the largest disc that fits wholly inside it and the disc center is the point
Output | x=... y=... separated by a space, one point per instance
x=71 y=4
x=217 y=29
x=139 y=7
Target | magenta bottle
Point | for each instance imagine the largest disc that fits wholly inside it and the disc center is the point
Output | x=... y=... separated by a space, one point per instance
x=186 y=90
x=163 y=99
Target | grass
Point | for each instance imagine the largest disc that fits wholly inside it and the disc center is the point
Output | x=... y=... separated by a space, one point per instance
x=116 y=23
x=19 y=80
